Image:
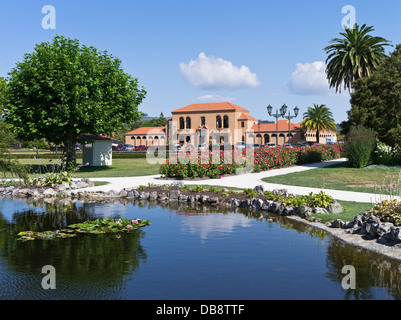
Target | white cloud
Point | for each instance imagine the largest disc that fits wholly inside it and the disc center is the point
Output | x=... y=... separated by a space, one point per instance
x=208 y=72
x=214 y=98
x=310 y=79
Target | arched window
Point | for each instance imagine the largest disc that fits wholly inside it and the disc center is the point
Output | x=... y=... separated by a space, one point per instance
x=188 y=122
x=218 y=122
x=225 y=122
x=182 y=123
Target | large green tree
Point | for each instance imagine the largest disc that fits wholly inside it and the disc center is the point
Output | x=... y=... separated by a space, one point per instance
x=8 y=165
x=318 y=118
x=376 y=100
x=353 y=56
x=64 y=89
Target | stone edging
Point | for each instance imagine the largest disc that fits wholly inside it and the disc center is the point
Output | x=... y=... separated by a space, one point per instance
x=364 y=232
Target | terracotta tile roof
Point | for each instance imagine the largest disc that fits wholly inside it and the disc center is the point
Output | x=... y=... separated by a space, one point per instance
x=210 y=107
x=246 y=116
x=145 y=130
x=282 y=126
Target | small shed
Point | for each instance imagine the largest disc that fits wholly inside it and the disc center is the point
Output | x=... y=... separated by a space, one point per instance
x=97 y=150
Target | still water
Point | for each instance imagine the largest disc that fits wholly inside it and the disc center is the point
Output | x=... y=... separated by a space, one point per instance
x=187 y=253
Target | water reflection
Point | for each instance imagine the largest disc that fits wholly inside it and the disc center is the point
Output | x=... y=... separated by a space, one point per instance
x=99 y=262
x=103 y=266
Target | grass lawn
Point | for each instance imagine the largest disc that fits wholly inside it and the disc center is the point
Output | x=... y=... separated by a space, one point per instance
x=120 y=168
x=341 y=177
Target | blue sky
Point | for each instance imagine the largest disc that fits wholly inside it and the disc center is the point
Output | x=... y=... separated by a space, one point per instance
x=252 y=53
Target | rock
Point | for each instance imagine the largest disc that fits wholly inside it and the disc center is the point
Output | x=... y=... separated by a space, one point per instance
x=225 y=190
x=257 y=203
x=259 y=189
x=273 y=207
x=174 y=194
x=320 y=210
x=338 y=223
x=153 y=195
x=177 y=184
x=88 y=182
x=266 y=205
x=383 y=228
x=123 y=193
x=183 y=197
x=335 y=208
x=49 y=192
x=214 y=200
x=81 y=184
x=304 y=211
x=287 y=211
x=203 y=198
x=395 y=234
x=245 y=203
x=144 y=195
x=280 y=209
x=234 y=202
x=162 y=196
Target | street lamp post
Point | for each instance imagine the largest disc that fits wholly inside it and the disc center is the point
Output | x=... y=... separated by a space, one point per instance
x=289 y=117
x=277 y=115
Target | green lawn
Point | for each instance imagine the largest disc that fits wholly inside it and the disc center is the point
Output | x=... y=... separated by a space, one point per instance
x=340 y=177
x=120 y=168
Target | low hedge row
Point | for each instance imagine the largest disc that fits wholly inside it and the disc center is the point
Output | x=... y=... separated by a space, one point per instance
x=213 y=164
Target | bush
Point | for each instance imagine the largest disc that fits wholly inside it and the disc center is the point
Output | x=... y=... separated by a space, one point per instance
x=50 y=179
x=359 y=146
x=388 y=211
x=263 y=159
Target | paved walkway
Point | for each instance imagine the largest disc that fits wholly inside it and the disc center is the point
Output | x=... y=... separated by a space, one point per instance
x=248 y=180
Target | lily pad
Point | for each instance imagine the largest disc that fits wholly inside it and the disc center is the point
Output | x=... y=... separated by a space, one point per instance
x=109 y=225
x=44 y=235
x=93 y=226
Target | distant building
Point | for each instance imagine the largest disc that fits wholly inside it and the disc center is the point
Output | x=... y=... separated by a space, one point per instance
x=220 y=123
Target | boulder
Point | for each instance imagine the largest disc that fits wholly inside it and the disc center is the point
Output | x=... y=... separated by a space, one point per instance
x=174 y=194
x=335 y=208
x=320 y=210
x=259 y=189
x=49 y=192
x=338 y=223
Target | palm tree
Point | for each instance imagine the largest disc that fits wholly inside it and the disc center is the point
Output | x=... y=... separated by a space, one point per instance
x=317 y=119
x=354 y=56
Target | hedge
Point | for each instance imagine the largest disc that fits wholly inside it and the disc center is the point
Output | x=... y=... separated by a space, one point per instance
x=185 y=166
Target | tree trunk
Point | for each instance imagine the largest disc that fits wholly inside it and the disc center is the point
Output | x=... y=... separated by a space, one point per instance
x=318 y=136
x=69 y=145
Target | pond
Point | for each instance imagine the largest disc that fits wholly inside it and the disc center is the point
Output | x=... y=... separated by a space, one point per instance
x=187 y=253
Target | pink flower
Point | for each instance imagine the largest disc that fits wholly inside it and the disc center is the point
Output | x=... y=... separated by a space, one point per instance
x=118 y=222
x=134 y=221
x=129 y=226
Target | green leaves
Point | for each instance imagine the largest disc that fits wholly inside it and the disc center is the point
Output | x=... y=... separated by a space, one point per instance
x=354 y=56
x=63 y=89
x=98 y=226
x=109 y=225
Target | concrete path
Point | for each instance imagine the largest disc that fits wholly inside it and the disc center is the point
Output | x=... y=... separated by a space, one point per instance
x=248 y=180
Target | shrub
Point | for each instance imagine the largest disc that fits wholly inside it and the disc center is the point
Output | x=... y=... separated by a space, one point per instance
x=388 y=211
x=383 y=154
x=250 y=193
x=359 y=146
x=263 y=159
x=198 y=189
x=50 y=179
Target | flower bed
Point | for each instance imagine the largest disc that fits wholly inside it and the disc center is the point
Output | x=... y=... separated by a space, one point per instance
x=212 y=164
